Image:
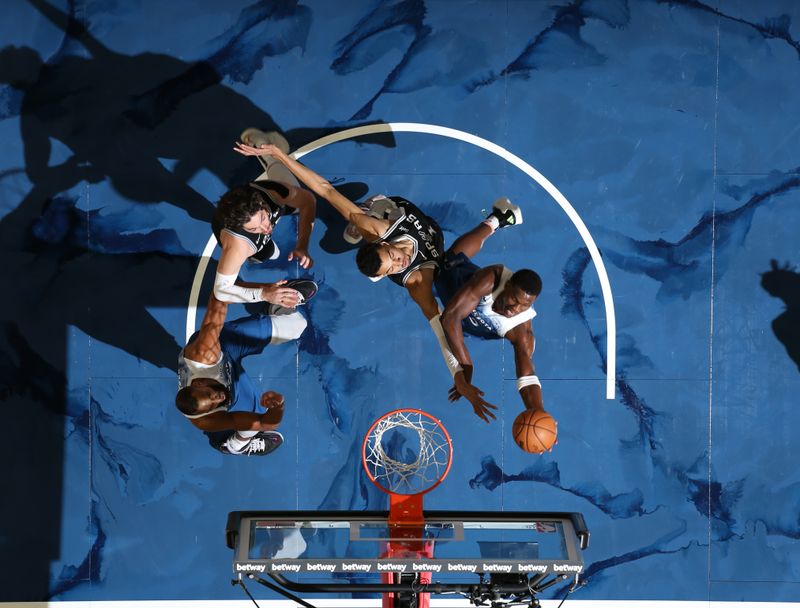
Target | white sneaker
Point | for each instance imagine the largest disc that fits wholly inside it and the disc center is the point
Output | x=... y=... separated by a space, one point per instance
x=506 y=212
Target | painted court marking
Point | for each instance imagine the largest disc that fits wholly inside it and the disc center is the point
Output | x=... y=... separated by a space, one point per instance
x=413 y=127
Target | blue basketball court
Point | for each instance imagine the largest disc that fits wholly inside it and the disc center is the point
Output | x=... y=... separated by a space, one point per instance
x=653 y=147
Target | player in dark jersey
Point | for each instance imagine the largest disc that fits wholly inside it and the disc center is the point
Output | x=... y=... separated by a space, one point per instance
x=406 y=246
x=243 y=223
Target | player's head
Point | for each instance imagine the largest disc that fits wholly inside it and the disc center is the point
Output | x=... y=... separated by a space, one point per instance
x=246 y=208
x=201 y=397
x=381 y=259
x=519 y=293
x=19 y=65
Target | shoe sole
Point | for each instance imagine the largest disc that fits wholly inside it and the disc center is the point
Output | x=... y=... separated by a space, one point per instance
x=255 y=138
x=504 y=204
x=307 y=288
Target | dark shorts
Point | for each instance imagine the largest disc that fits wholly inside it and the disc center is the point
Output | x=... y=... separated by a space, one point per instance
x=454 y=272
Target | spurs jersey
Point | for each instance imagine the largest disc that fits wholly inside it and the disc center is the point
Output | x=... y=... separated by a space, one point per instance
x=424 y=234
x=221 y=371
x=275 y=210
x=486 y=323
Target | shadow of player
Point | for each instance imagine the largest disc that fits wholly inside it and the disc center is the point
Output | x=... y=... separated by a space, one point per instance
x=783 y=283
x=124 y=115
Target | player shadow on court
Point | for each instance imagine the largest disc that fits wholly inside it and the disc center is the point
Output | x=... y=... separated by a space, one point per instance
x=119 y=116
x=130 y=117
x=784 y=283
x=62 y=288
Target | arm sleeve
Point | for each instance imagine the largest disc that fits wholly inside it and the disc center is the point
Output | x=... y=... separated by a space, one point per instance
x=447 y=354
x=226 y=290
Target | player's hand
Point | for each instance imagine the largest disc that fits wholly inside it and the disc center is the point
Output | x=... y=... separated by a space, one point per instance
x=481 y=407
x=272 y=400
x=263 y=150
x=302 y=257
x=275 y=293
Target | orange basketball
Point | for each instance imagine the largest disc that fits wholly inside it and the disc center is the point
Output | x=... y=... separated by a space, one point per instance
x=535 y=431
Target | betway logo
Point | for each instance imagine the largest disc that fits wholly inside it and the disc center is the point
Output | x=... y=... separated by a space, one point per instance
x=532 y=568
x=567 y=568
x=284 y=567
x=250 y=567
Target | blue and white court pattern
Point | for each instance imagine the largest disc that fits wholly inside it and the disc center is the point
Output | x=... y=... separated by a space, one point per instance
x=653 y=146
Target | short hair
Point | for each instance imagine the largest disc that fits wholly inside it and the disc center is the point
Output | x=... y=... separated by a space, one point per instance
x=238 y=205
x=528 y=281
x=368 y=260
x=186 y=402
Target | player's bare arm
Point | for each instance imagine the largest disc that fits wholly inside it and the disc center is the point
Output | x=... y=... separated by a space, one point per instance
x=315 y=182
x=205 y=347
x=420 y=287
x=481 y=284
x=523 y=342
x=241 y=421
x=463 y=303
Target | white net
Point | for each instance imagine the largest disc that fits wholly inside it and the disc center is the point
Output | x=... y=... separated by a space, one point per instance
x=407 y=452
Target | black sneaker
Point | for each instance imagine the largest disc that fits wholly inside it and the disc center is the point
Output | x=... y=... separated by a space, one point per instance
x=262 y=444
x=506 y=212
x=307 y=289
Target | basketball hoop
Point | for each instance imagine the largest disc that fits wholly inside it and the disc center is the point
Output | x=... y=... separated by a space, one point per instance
x=406 y=453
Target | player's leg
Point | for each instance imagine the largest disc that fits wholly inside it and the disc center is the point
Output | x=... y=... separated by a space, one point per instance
x=504 y=213
x=275 y=169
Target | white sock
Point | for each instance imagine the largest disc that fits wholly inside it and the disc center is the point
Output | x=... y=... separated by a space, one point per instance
x=492 y=222
x=239 y=440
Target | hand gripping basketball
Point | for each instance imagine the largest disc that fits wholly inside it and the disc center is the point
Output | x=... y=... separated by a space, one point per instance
x=535 y=431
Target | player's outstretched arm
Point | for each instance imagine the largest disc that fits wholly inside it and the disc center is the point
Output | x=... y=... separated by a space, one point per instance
x=458 y=309
x=464 y=302
x=205 y=347
x=523 y=342
x=314 y=181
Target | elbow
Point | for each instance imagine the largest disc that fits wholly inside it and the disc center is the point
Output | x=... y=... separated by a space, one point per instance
x=222 y=296
x=325 y=190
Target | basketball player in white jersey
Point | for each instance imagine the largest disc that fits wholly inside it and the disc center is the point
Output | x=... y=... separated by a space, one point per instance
x=215 y=393
x=491 y=303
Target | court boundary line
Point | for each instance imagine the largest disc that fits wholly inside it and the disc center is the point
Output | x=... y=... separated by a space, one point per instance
x=376 y=602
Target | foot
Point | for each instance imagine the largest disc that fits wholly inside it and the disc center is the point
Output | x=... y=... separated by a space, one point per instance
x=305 y=287
x=506 y=212
x=255 y=138
x=262 y=444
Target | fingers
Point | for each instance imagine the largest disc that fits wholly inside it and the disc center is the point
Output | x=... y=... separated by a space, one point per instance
x=302 y=258
x=288 y=297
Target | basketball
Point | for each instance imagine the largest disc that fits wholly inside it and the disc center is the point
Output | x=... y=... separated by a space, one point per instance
x=535 y=431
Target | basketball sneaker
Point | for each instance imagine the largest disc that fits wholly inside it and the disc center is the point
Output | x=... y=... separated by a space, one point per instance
x=305 y=287
x=261 y=444
x=256 y=138
x=506 y=212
